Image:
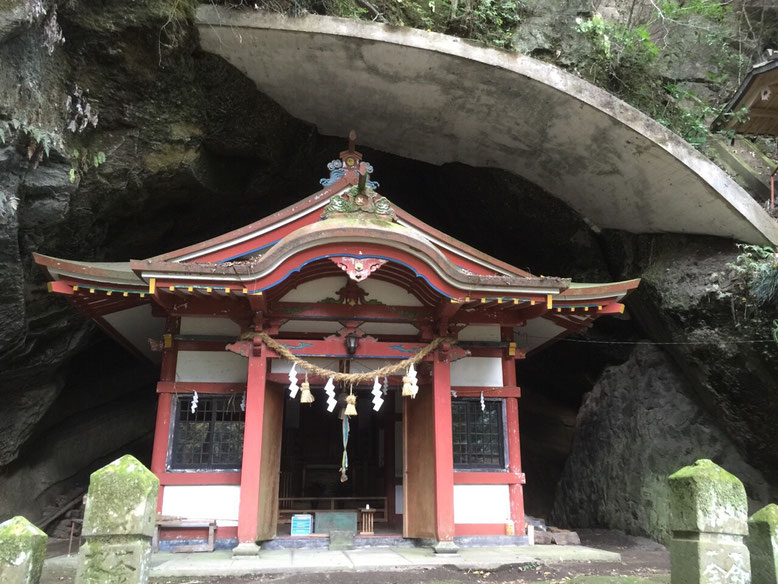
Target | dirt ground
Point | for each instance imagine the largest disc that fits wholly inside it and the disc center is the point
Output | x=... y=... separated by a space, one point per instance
x=643 y=562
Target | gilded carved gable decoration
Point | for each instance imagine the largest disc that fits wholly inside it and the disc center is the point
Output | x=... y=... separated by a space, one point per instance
x=360 y=198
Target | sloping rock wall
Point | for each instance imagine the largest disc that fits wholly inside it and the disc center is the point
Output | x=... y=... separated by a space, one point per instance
x=639 y=424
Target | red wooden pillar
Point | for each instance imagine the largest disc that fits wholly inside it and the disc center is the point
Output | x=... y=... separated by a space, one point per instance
x=164 y=407
x=389 y=454
x=516 y=491
x=444 y=452
x=248 y=513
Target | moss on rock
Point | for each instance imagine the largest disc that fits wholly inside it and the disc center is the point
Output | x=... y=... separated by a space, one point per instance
x=122 y=499
x=22 y=551
x=706 y=498
x=762 y=544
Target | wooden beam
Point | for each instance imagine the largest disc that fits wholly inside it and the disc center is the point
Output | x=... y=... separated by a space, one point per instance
x=257 y=302
x=338 y=312
x=199 y=387
x=489 y=478
x=446 y=309
x=335 y=348
x=471 y=391
x=176 y=304
x=199 y=478
x=60 y=287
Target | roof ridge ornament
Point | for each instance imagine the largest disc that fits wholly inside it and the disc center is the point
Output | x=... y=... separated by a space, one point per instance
x=360 y=198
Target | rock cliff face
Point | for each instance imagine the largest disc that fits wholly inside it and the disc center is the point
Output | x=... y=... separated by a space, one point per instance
x=130 y=75
x=638 y=425
x=191 y=150
x=709 y=392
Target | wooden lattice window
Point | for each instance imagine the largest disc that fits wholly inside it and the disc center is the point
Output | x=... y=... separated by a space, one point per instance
x=211 y=437
x=478 y=435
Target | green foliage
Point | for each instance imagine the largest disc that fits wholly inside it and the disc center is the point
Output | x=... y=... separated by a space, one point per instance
x=82 y=160
x=98 y=159
x=757 y=270
x=619 y=58
x=491 y=21
x=344 y=8
x=36 y=141
x=625 y=60
x=704 y=8
x=688 y=115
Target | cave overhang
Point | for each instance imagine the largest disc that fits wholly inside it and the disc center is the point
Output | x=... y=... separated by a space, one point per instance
x=441 y=99
x=347 y=231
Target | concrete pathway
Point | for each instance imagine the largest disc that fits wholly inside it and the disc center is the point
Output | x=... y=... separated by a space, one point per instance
x=221 y=563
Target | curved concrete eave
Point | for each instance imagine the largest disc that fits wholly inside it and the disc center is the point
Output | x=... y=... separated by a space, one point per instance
x=440 y=99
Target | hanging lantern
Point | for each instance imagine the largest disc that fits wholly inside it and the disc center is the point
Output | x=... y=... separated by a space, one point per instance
x=351 y=405
x=306 y=397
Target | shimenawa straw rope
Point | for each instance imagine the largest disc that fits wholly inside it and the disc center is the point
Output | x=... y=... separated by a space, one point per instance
x=348 y=377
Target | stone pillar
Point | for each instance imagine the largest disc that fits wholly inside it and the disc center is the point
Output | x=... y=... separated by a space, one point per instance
x=708 y=519
x=22 y=551
x=119 y=519
x=762 y=544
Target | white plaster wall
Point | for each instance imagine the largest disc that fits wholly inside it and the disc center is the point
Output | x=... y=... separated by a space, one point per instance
x=378 y=329
x=211 y=366
x=315 y=290
x=363 y=365
x=209 y=325
x=480 y=332
x=481 y=504
x=536 y=332
x=284 y=365
x=137 y=325
x=477 y=371
x=324 y=327
x=219 y=502
x=388 y=293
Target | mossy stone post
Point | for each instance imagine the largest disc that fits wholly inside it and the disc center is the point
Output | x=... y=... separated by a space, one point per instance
x=762 y=544
x=121 y=506
x=22 y=551
x=709 y=515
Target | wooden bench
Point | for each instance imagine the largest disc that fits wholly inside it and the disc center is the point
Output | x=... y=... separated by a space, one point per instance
x=187 y=524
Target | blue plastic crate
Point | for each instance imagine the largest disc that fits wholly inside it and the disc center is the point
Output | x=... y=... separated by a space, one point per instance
x=302 y=524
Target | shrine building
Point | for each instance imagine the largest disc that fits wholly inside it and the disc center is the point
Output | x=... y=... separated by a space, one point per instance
x=268 y=338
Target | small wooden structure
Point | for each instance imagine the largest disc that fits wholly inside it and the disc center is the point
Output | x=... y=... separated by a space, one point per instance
x=757 y=99
x=344 y=281
x=367 y=525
